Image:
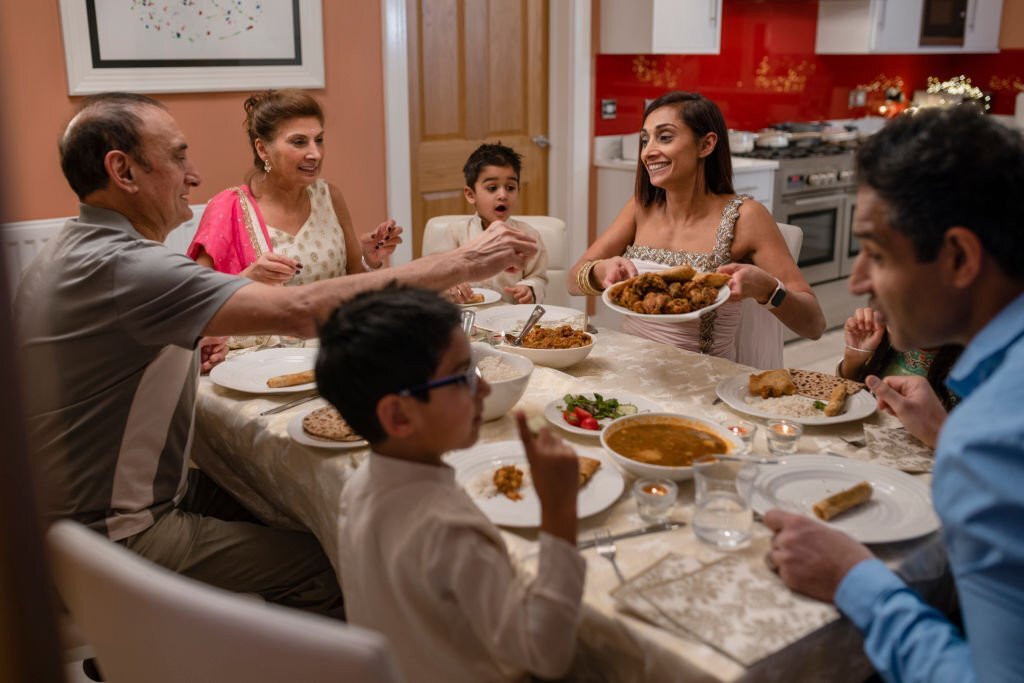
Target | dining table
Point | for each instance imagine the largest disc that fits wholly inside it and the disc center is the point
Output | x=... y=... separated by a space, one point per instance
x=687 y=611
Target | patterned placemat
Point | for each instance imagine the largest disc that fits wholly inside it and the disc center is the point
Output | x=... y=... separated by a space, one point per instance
x=735 y=605
x=897 y=448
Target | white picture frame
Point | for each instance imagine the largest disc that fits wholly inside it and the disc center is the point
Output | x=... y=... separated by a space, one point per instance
x=293 y=53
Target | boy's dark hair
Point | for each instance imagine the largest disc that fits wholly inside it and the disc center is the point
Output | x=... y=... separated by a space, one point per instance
x=490 y=155
x=702 y=116
x=106 y=122
x=380 y=343
x=940 y=168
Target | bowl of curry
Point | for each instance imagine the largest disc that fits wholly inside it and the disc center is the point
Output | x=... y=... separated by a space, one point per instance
x=665 y=445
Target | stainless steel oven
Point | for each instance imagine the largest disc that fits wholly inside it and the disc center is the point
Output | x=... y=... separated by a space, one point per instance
x=852 y=247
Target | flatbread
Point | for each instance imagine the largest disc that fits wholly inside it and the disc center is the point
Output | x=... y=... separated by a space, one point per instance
x=588 y=466
x=819 y=386
x=327 y=423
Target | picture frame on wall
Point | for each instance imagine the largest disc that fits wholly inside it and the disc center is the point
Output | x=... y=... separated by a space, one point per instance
x=149 y=46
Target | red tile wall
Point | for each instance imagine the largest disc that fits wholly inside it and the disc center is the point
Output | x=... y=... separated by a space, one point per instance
x=767 y=72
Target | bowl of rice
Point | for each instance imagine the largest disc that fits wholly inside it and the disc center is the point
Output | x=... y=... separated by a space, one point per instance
x=508 y=375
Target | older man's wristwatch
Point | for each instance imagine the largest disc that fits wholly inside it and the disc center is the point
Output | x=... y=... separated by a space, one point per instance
x=777 y=297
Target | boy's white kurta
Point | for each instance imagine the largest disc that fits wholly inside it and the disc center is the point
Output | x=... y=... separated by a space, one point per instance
x=421 y=564
x=534 y=275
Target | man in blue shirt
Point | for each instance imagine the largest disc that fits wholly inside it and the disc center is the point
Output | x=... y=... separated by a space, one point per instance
x=943 y=261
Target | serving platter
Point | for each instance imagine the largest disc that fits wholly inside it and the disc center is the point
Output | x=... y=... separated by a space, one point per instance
x=299 y=435
x=734 y=392
x=900 y=508
x=723 y=296
x=479 y=462
x=554 y=415
x=250 y=372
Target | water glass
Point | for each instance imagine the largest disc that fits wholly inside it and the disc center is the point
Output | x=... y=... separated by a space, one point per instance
x=722 y=516
x=783 y=436
x=654 y=499
x=743 y=430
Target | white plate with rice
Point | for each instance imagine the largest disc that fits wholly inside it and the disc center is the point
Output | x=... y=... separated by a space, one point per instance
x=474 y=471
x=736 y=394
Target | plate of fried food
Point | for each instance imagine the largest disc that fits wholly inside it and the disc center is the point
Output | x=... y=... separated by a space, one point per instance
x=673 y=295
x=481 y=297
x=804 y=396
x=496 y=476
x=268 y=371
x=870 y=502
x=323 y=428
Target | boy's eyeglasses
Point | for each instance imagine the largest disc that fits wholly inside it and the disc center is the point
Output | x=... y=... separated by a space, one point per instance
x=471 y=378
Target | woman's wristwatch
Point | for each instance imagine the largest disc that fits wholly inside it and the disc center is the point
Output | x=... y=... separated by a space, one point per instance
x=777 y=297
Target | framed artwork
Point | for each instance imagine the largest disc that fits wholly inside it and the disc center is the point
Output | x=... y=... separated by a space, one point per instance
x=152 y=46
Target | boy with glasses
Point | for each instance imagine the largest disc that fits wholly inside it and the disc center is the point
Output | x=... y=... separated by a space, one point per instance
x=422 y=564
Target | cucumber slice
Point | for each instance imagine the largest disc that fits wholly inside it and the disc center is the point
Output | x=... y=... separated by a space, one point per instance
x=627 y=409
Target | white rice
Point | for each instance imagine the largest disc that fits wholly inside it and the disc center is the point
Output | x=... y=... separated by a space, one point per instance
x=482 y=486
x=497 y=369
x=785 y=406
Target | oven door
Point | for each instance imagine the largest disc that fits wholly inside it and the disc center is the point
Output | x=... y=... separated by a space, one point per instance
x=851 y=246
x=822 y=218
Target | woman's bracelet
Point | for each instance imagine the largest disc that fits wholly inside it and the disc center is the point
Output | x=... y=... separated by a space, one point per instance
x=367 y=266
x=854 y=348
x=583 y=279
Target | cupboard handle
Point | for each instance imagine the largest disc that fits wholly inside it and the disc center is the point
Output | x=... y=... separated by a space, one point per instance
x=881 y=14
x=714 y=12
x=974 y=14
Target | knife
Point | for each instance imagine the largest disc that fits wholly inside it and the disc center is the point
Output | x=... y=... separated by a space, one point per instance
x=292 y=404
x=642 y=531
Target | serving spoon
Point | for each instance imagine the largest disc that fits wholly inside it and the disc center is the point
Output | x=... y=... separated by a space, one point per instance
x=517 y=340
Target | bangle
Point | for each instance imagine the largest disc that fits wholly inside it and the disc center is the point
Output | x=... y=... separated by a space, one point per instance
x=367 y=266
x=583 y=279
x=854 y=348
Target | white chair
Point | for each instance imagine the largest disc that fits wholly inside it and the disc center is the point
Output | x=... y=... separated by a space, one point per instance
x=759 y=336
x=149 y=624
x=552 y=233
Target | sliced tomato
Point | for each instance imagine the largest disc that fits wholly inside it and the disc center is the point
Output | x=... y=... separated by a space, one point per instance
x=582 y=414
x=589 y=422
x=571 y=417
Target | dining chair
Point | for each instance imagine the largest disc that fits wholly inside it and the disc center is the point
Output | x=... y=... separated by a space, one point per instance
x=552 y=233
x=147 y=623
x=759 y=336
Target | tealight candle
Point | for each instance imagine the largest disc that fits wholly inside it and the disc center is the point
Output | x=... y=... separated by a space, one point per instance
x=655 y=498
x=744 y=431
x=783 y=436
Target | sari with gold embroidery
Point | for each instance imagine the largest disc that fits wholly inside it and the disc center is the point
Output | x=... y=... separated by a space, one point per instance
x=232 y=231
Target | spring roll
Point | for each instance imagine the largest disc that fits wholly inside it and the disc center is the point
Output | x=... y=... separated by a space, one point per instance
x=291 y=380
x=836 y=400
x=857 y=494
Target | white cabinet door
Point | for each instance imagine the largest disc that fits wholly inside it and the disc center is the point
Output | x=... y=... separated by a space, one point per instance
x=982 y=31
x=896 y=25
x=661 y=26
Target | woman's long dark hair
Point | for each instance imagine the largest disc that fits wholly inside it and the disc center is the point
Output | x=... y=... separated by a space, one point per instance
x=702 y=116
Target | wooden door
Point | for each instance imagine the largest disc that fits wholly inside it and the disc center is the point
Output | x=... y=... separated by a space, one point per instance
x=478 y=72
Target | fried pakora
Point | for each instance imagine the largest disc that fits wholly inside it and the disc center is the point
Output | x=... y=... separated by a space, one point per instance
x=673 y=291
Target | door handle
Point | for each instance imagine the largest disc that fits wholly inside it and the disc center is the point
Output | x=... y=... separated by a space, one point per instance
x=974 y=13
x=541 y=141
x=814 y=200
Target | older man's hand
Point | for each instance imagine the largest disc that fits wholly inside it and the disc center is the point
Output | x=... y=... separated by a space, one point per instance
x=810 y=557
x=499 y=248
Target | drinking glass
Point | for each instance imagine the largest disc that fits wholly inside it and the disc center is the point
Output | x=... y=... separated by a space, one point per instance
x=654 y=499
x=783 y=436
x=722 y=517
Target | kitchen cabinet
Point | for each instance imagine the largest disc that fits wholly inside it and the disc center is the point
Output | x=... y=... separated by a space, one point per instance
x=894 y=27
x=689 y=27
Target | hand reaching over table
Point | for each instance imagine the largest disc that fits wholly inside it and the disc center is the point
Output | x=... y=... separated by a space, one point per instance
x=500 y=247
x=913 y=401
x=555 y=471
x=810 y=557
x=611 y=270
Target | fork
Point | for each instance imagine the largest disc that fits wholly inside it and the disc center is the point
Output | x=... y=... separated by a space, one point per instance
x=606 y=549
x=856 y=443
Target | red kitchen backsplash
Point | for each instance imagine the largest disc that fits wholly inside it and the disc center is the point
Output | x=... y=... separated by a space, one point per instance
x=767 y=72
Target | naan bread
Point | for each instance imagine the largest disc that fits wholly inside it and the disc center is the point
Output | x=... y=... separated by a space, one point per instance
x=819 y=386
x=588 y=466
x=327 y=423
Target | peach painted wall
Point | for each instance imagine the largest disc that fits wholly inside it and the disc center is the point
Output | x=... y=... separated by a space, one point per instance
x=36 y=107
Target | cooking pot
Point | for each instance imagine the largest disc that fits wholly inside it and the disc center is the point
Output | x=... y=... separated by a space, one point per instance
x=772 y=139
x=741 y=141
x=837 y=135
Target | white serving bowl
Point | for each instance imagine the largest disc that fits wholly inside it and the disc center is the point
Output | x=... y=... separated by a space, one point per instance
x=504 y=393
x=680 y=473
x=553 y=358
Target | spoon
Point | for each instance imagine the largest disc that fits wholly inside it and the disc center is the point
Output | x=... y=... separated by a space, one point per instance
x=517 y=340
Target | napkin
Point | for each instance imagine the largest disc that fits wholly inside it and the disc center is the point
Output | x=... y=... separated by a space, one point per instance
x=897 y=448
x=736 y=604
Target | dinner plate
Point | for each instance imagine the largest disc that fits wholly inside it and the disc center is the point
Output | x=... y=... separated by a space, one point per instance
x=250 y=372
x=735 y=392
x=299 y=435
x=723 y=296
x=477 y=464
x=900 y=507
x=554 y=414
x=489 y=295
x=507 y=318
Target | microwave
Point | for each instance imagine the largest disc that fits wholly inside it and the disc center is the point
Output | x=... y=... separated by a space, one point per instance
x=943 y=22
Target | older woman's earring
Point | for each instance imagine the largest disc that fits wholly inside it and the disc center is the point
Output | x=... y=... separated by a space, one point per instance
x=266 y=165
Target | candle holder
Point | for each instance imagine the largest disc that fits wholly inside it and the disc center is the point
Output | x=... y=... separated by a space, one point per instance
x=654 y=499
x=744 y=431
x=783 y=436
